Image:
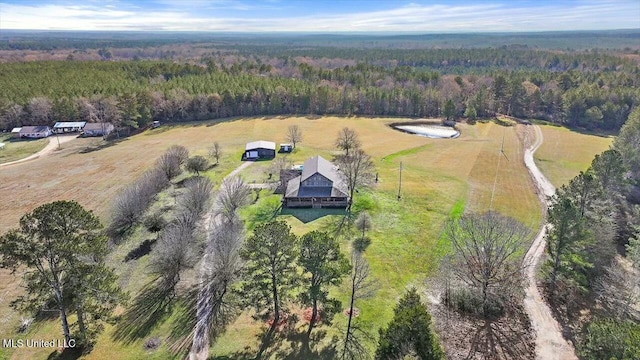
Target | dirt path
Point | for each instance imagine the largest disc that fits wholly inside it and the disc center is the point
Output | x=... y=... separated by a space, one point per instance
x=550 y=344
x=200 y=346
x=47 y=150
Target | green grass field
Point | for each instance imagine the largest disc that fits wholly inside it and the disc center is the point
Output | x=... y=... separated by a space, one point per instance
x=440 y=178
x=15 y=149
x=564 y=153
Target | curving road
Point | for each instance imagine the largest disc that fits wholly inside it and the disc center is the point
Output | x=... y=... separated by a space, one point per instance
x=550 y=344
x=47 y=150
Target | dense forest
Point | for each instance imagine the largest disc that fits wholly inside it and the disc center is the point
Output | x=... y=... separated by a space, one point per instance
x=588 y=89
x=51 y=40
x=136 y=80
x=193 y=76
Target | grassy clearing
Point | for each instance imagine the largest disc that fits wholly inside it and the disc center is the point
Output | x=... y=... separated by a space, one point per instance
x=564 y=153
x=15 y=149
x=440 y=178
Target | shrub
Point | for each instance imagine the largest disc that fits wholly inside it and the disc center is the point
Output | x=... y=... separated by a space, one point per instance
x=611 y=339
x=152 y=343
x=196 y=164
x=154 y=222
x=361 y=243
x=468 y=302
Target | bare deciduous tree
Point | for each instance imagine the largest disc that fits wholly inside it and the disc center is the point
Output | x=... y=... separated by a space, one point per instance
x=361 y=287
x=221 y=270
x=172 y=160
x=619 y=291
x=12 y=116
x=40 y=110
x=106 y=109
x=87 y=111
x=197 y=196
x=279 y=164
x=131 y=203
x=174 y=252
x=347 y=140
x=215 y=151
x=357 y=169
x=363 y=223
x=485 y=253
x=294 y=135
x=233 y=194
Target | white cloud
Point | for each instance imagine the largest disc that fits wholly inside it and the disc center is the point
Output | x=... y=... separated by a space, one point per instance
x=410 y=18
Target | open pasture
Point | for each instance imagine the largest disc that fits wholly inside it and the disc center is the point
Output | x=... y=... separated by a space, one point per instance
x=15 y=149
x=564 y=153
x=439 y=176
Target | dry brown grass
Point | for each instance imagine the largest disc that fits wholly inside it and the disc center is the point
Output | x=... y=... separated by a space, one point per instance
x=437 y=174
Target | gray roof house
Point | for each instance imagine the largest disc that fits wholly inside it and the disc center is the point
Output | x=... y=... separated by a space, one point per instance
x=97 y=129
x=321 y=185
x=35 y=132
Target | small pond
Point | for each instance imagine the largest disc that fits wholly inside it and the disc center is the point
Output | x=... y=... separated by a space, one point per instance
x=430 y=131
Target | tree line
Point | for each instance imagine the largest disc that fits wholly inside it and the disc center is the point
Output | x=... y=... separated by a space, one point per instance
x=598 y=93
x=594 y=220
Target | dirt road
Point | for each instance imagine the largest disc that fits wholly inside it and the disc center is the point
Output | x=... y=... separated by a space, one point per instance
x=200 y=346
x=47 y=150
x=550 y=345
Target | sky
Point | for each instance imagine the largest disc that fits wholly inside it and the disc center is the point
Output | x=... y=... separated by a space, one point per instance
x=320 y=16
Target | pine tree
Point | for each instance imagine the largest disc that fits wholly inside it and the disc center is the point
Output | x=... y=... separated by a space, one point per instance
x=324 y=265
x=61 y=248
x=409 y=333
x=271 y=272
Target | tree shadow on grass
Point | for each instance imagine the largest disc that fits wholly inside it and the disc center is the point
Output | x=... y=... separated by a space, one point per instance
x=504 y=338
x=184 y=322
x=148 y=310
x=102 y=145
x=66 y=354
x=143 y=249
x=309 y=215
x=292 y=343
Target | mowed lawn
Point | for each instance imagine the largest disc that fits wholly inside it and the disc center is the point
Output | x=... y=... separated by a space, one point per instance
x=437 y=175
x=564 y=153
x=15 y=149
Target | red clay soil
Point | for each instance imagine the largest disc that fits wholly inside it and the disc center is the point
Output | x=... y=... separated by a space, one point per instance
x=306 y=315
x=356 y=312
x=283 y=320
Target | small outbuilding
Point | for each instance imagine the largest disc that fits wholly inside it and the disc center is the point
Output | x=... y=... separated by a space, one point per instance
x=97 y=129
x=68 y=126
x=285 y=148
x=259 y=150
x=15 y=132
x=321 y=185
x=35 y=132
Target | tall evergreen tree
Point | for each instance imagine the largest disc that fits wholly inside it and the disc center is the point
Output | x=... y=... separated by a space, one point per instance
x=324 y=265
x=271 y=272
x=409 y=333
x=61 y=247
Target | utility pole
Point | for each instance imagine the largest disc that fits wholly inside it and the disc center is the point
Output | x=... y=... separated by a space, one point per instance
x=400 y=183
